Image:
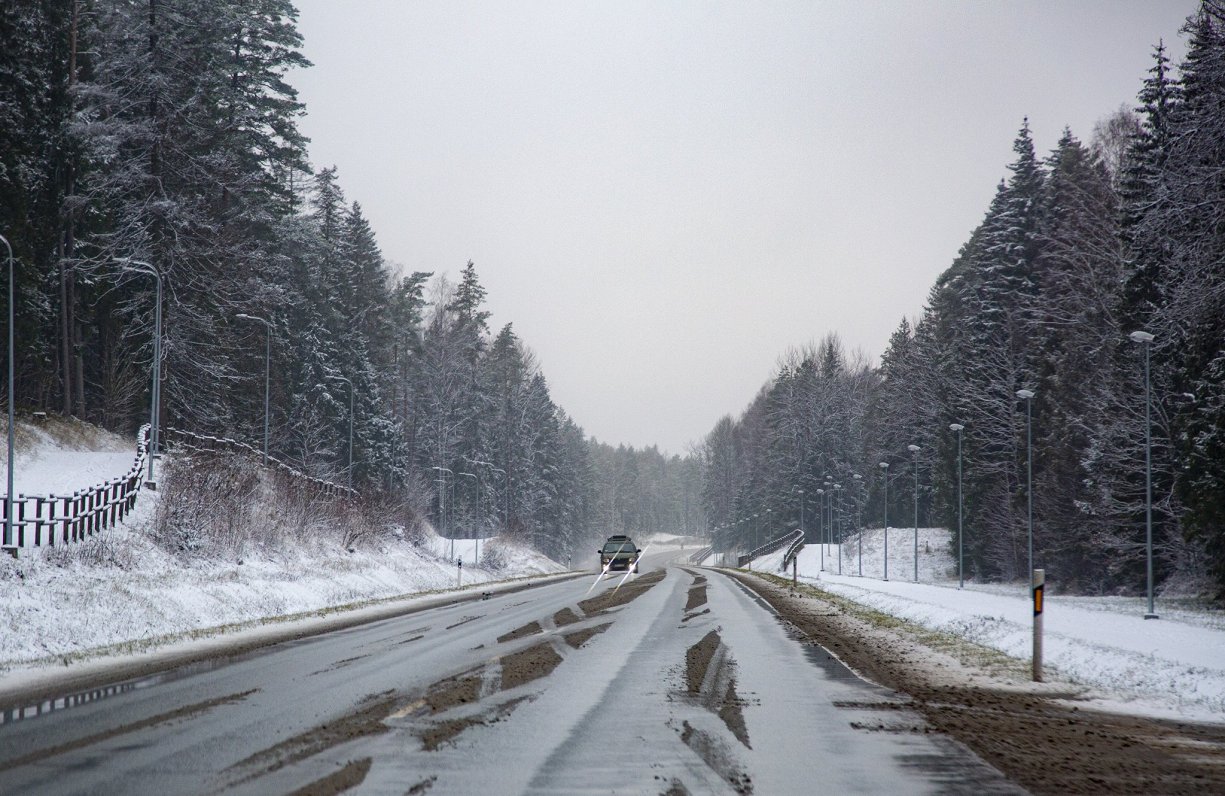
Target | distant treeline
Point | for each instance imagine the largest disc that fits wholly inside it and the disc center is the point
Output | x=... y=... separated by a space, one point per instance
x=1077 y=250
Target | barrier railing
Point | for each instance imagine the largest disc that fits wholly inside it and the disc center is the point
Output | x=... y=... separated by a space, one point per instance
x=793 y=550
x=700 y=556
x=770 y=547
x=40 y=520
x=203 y=442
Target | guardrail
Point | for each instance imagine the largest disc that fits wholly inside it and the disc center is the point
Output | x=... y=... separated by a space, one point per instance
x=793 y=550
x=42 y=519
x=203 y=442
x=700 y=556
x=770 y=546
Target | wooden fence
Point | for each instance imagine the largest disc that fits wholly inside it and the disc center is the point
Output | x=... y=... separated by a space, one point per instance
x=48 y=520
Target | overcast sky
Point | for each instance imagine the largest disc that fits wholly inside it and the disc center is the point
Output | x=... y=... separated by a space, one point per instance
x=665 y=197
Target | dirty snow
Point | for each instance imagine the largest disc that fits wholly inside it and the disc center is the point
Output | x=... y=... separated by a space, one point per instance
x=1170 y=667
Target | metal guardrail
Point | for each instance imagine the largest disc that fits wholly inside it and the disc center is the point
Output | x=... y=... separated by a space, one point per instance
x=42 y=519
x=771 y=546
x=700 y=556
x=793 y=550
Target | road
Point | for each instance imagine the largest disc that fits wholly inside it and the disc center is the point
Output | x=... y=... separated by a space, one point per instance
x=676 y=680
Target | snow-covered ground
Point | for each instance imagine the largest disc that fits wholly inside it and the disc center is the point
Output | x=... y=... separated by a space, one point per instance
x=119 y=592
x=1172 y=666
x=58 y=458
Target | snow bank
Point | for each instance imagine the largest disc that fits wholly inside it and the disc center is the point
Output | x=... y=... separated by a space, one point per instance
x=120 y=592
x=1173 y=666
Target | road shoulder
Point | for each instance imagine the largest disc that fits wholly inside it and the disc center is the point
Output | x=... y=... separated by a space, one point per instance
x=55 y=677
x=1035 y=733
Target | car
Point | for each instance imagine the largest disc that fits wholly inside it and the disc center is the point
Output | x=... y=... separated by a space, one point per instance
x=619 y=552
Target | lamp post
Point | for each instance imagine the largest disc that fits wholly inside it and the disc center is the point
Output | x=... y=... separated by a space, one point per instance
x=914 y=449
x=478 y=491
x=346 y=381
x=802 y=531
x=829 y=511
x=267 y=370
x=821 y=525
x=8 y=496
x=1145 y=339
x=1028 y=395
x=442 y=502
x=884 y=466
x=505 y=498
x=496 y=470
x=837 y=525
x=859 y=519
x=155 y=411
x=957 y=428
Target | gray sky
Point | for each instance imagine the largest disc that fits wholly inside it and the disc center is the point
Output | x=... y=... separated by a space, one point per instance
x=664 y=197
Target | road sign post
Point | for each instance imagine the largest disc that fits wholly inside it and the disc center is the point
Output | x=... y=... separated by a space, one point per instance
x=1039 y=583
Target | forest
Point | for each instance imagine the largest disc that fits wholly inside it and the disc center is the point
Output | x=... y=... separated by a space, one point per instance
x=158 y=141
x=162 y=135
x=1079 y=249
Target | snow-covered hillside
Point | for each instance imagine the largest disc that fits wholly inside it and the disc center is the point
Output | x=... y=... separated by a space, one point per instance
x=120 y=591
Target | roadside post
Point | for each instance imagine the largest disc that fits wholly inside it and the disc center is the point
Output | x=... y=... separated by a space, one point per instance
x=1039 y=587
x=459 y=573
x=795 y=562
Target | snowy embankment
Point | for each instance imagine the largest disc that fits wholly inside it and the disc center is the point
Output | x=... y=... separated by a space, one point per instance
x=1172 y=666
x=120 y=592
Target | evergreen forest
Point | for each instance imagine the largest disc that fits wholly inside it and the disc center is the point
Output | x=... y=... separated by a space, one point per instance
x=1080 y=248
x=162 y=136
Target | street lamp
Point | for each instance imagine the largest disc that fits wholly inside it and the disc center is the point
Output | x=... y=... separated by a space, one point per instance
x=957 y=428
x=859 y=521
x=829 y=512
x=884 y=466
x=478 y=492
x=346 y=381
x=914 y=449
x=802 y=531
x=1145 y=339
x=837 y=525
x=267 y=371
x=155 y=411
x=1028 y=395
x=442 y=503
x=8 y=496
x=821 y=525
x=496 y=470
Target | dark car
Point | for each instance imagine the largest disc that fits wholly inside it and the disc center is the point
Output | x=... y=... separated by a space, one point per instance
x=619 y=552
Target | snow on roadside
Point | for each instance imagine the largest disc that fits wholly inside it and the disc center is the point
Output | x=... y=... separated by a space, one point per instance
x=59 y=607
x=1173 y=666
x=49 y=459
x=119 y=591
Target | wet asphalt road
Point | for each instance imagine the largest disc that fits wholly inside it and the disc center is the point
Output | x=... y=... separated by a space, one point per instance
x=671 y=681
